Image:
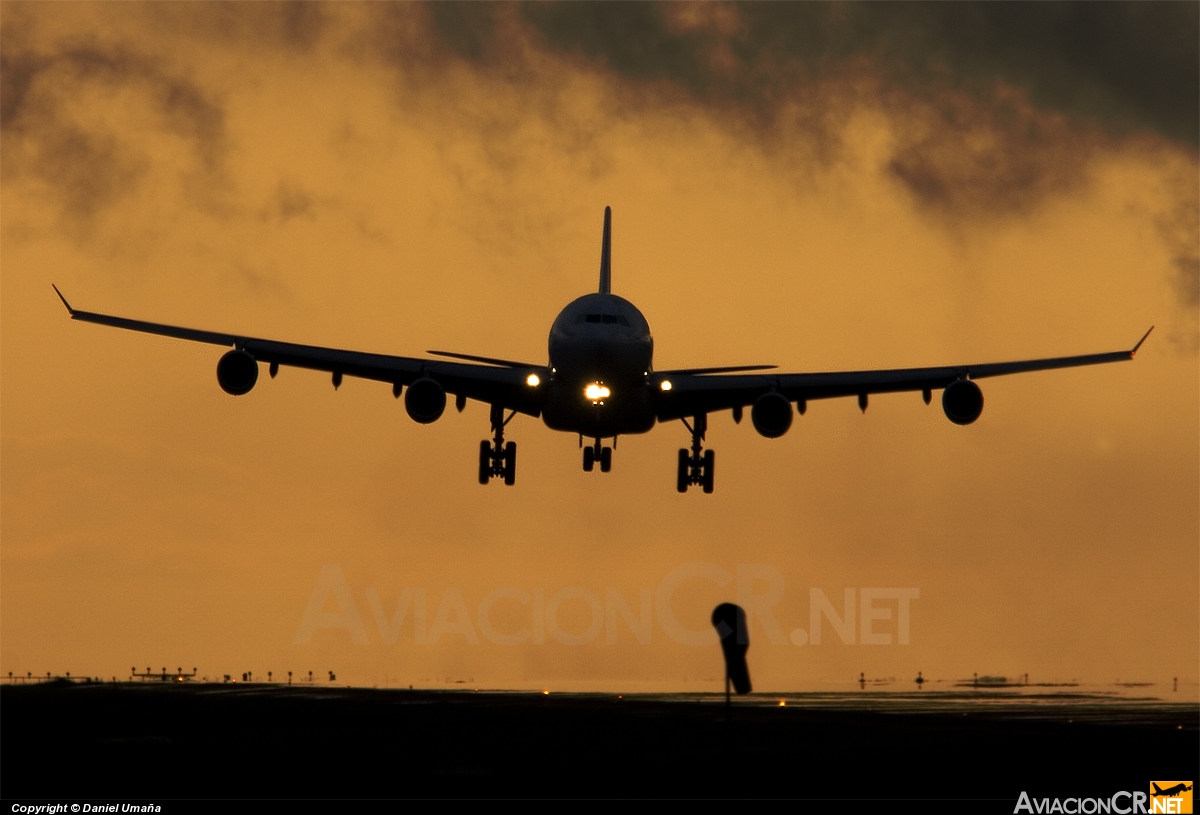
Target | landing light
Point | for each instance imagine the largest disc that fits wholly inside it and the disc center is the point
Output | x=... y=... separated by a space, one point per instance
x=665 y=384
x=597 y=392
x=533 y=380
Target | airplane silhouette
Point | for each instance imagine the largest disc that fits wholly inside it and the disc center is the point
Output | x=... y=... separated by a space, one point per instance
x=1169 y=792
x=599 y=381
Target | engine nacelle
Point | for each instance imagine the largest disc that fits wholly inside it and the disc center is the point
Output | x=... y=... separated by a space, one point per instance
x=425 y=400
x=237 y=372
x=962 y=400
x=771 y=415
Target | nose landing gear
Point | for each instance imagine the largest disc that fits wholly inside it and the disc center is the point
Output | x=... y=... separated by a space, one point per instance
x=599 y=453
x=696 y=466
x=497 y=459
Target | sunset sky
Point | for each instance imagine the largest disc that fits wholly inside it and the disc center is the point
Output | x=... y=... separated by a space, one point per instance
x=816 y=186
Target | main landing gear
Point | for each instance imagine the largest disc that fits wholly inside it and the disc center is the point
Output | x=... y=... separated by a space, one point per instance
x=695 y=467
x=595 y=453
x=497 y=459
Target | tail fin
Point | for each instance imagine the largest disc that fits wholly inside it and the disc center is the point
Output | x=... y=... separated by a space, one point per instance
x=606 y=254
x=1157 y=789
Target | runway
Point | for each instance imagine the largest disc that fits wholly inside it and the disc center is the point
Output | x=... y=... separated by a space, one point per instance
x=163 y=741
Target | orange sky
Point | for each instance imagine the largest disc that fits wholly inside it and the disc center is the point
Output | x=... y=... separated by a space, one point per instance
x=381 y=178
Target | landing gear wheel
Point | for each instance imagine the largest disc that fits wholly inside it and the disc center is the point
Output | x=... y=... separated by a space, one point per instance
x=606 y=459
x=510 y=463
x=497 y=459
x=485 y=461
x=589 y=459
x=695 y=465
x=707 y=478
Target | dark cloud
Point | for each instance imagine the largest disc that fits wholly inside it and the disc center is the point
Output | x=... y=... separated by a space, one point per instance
x=995 y=105
x=468 y=29
x=290 y=201
x=957 y=154
x=1187 y=265
x=1179 y=227
x=1126 y=65
x=91 y=165
x=296 y=27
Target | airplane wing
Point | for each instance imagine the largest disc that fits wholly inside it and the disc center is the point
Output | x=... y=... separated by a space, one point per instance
x=690 y=395
x=506 y=386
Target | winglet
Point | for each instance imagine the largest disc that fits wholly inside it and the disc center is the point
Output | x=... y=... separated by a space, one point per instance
x=70 y=310
x=606 y=254
x=1131 y=353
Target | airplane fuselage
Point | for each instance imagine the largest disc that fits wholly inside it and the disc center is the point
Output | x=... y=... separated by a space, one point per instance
x=601 y=353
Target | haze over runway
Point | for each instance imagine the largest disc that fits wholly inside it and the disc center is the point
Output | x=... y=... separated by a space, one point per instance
x=815 y=187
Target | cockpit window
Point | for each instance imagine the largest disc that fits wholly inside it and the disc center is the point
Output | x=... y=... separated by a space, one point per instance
x=610 y=319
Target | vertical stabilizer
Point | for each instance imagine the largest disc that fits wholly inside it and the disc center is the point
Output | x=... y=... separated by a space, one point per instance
x=606 y=254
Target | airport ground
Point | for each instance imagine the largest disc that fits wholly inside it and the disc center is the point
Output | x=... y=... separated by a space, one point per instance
x=129 y=741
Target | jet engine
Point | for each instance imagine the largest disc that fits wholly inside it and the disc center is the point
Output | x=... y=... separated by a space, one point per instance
x=237 y=372
x=425 y=400
x=771 y=415
x=963 y=401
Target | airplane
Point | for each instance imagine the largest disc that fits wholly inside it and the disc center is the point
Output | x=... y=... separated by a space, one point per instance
x=599 y=381
x=1170 y=792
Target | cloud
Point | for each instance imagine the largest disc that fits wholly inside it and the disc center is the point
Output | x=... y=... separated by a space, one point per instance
x=1122 y=65
x=1179 y=228
x=54 y=103
x=995 y=105
x=993 y=108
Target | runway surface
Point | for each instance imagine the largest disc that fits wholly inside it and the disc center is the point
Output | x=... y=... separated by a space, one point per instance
x=164 y=741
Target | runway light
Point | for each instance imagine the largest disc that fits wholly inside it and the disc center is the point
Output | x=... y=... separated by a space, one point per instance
x=665 y=384
x=533 y=380
x=597 y=392
x=545 y=693
x=782 y=703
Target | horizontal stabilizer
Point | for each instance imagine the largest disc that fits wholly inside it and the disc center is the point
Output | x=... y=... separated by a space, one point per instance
x=503 y=363
x=728 y=369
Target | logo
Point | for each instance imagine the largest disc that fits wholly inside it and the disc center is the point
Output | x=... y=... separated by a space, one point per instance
x=1171 y=796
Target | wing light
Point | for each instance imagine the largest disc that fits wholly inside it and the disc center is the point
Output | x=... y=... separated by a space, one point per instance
x=533 y=380
x=597 y=392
